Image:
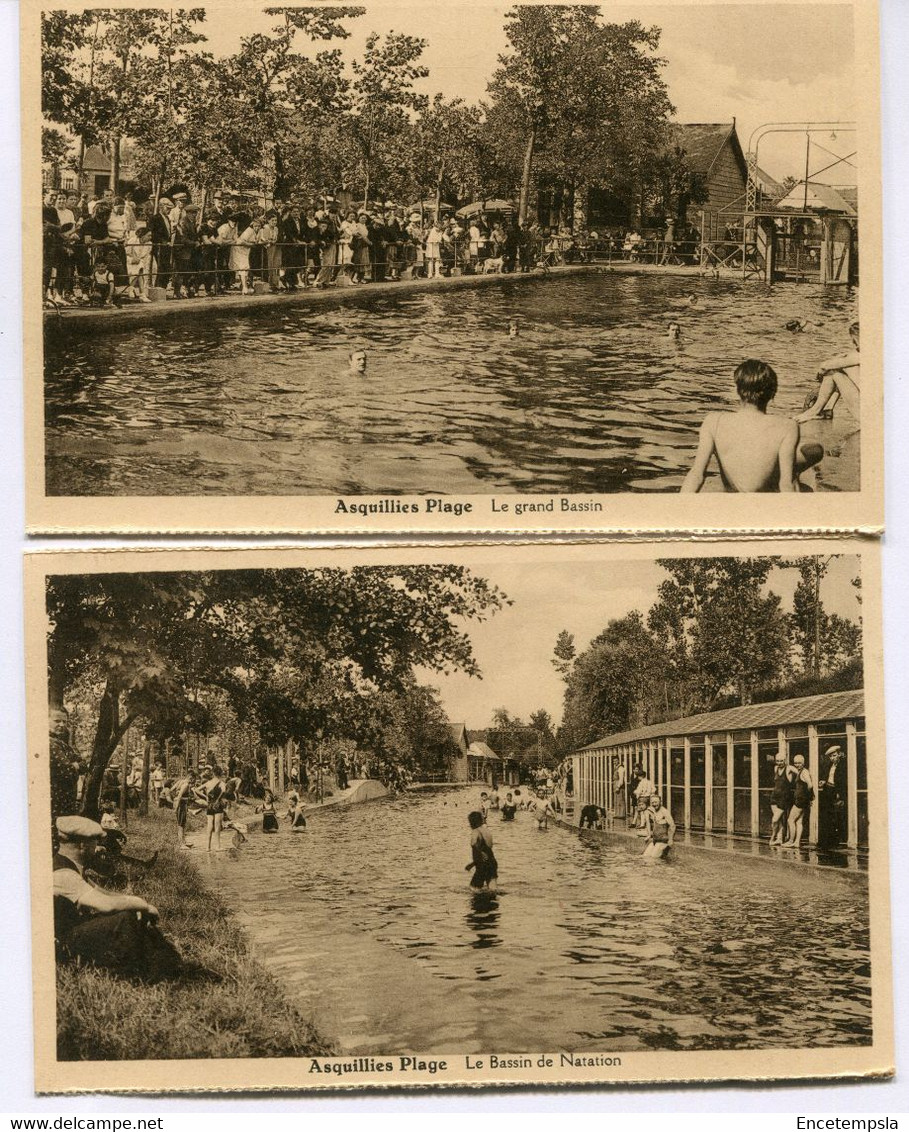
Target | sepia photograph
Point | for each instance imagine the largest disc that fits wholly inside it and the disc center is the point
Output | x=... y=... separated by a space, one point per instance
x=452 y=267
x=457 y=816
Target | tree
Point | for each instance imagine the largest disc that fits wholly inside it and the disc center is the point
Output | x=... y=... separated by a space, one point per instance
x=564 y=653
x=412 y=733
x=283 y=90
x=584 y=102
x=63 y=88
x=723 y=633
x=134 y=85
x=380 y=93
x=824 y=641
x=445 y=153
x=615 y=684
x=55 y=151
x=529 y=82
x=291 y=649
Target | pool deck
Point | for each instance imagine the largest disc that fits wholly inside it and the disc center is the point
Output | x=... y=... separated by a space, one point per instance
x=846 y=863
x=141 y=314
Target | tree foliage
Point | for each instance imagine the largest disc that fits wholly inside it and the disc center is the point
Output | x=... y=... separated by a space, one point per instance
x=294 y=651
x=716 y=636
x=823 y=642
x=578 y=101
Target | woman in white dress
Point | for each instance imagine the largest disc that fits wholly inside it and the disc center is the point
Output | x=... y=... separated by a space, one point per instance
x=239 y=253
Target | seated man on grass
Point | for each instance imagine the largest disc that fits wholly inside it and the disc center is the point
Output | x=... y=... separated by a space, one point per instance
x=754 y=451
x=95 y=926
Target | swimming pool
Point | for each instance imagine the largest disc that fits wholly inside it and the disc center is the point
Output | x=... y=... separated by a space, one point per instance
x=368 y=920
x=591 y=397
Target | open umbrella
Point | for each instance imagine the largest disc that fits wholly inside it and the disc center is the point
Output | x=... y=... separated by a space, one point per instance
x=487 y=206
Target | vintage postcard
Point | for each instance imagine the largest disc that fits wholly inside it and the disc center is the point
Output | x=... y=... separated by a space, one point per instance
x=458 y=815
x=452 y=267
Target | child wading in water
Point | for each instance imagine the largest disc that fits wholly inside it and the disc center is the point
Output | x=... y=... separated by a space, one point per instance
x=484 y=864
x=269 y=814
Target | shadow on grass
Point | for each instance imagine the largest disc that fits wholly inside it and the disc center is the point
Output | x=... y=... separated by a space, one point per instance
x=225 y=1005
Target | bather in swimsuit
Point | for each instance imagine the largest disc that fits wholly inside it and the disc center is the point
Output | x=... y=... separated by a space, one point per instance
x=782 y=794
x=804 y=795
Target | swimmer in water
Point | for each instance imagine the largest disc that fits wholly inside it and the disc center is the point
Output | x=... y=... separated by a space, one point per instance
x=754 y=450
x=356 y=361
x=484 y=863
x=796 y=325
x=692 y=300
x=674 y=331
x=660 y=828
x=513 y=331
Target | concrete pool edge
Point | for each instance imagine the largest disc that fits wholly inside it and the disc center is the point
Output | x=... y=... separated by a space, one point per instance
x=747 y=851
x=141 y=315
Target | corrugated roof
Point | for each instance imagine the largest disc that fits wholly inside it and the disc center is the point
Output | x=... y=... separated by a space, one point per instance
x=806 y=709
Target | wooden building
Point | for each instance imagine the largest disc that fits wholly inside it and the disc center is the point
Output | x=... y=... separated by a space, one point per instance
x=716 y=160
x=458 y=765
x=714 y=771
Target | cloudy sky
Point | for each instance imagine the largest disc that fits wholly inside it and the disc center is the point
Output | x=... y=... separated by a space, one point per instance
x=756 y=63
x=514 y=648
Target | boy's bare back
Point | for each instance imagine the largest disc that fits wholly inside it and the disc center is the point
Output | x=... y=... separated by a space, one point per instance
x=755 y=452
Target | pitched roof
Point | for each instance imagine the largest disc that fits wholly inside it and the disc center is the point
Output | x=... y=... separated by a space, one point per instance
x=482 y=751
x=765 y=182
x=806 y=709
x=703 y=142
x=458 y=733
x=821 y=198
x=95 y=158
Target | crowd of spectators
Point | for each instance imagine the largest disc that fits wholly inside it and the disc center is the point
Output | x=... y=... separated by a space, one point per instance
x=110 y=250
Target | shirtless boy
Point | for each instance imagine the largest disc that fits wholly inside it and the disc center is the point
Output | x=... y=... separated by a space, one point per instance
x=754 y=451
x=838 y=377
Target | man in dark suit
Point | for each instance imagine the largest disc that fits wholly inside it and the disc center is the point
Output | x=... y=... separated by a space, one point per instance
x=162 y=242
x=832 y=799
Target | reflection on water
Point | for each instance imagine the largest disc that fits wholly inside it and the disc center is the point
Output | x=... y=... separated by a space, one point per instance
x=592 y=397
x=369 y=920
x=483 y=919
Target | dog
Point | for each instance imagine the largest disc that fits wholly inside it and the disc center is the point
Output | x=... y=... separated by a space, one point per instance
x=493 y=266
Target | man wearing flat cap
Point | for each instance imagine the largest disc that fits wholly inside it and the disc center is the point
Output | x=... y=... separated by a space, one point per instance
x=831 y=814
x=113 y=930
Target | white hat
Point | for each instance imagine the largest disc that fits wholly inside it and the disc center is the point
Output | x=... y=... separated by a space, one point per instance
x=76 y=828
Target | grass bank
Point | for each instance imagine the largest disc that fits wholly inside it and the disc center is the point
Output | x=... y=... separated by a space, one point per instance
x=245 y=1014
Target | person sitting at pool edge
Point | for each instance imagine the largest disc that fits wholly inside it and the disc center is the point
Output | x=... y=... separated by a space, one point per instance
x=754 y=451
x=839 y=378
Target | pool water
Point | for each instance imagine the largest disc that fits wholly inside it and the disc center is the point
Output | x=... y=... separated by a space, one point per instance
x=368 y=919
x=591 y=397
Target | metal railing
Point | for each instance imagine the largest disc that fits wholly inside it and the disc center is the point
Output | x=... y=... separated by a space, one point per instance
x=74 y=268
